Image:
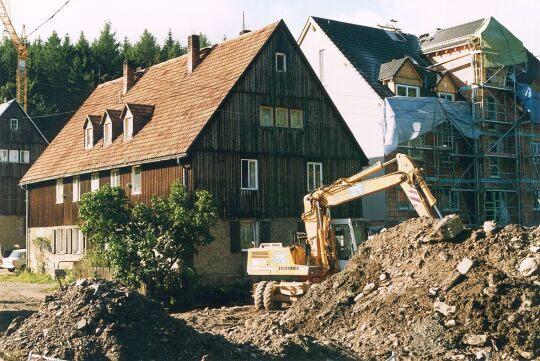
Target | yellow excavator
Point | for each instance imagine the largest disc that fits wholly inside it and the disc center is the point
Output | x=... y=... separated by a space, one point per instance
x=314 y=256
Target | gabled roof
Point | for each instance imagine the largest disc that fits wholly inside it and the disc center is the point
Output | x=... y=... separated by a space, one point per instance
x=138 y=110
x=367 y=48
x=389 y=69
x=453 y=36
x=183 y=104
x=94 y=119
x=5 y=106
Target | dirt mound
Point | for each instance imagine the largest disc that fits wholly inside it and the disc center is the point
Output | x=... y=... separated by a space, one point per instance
x=100 y=320
x=475 y=295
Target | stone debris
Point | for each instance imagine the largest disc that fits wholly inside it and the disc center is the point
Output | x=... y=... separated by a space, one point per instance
x=529 y=266
x=443 y=308
x=475 y=340
x=448 y=228
x=465 y=265
x=489 y=227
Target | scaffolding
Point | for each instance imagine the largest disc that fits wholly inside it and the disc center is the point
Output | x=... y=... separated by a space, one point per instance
x=493 y=177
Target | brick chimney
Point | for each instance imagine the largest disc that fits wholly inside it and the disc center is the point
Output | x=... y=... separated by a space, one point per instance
x=193 y=52
x=129 y=76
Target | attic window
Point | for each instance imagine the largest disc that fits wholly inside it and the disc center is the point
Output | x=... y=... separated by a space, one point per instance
x=281 y=62
x=395 y=35
x=88 y=136
x=14 y=125
x=128 y=127
x=107 y=131
x=407 y=90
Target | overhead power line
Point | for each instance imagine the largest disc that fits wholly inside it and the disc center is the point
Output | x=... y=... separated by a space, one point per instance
x=50 y=18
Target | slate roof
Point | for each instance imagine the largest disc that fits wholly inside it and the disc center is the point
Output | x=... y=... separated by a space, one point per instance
x=182 y=105
x=453 y=36
x=389 y=69
x=367 y=48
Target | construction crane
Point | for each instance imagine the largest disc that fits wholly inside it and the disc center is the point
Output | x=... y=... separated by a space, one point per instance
x=22 y=55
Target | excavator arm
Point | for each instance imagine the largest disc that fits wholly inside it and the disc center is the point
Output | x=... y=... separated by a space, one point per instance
x=317 y=203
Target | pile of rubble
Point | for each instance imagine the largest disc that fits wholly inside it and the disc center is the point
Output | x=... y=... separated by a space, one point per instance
x=424 y=291
x=101 y=320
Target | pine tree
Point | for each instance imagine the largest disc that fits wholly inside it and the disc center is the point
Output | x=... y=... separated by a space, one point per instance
x=106 y=52
x=171 y=48
x=146 y=51
x=204 y=41
x=127 y=50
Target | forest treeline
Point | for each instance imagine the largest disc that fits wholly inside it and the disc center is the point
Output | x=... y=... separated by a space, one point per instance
x=62 y=72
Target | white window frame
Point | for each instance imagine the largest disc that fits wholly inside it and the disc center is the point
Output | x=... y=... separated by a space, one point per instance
x=128 y=127
x=448 y=96
x=76 y=189
x=60 y=191
x=313 y=182
x=107 y=131
x=536 y=200
x=256 y=233
x=24 y=156
x=283 y=56
x=89 y=136
x=264 y=108
x=286 y=112
x=296 y=111
x=115 y=178
x=13 y=156
x=4 y=155
x=407 y=87
x=321 y=65
x=250 y=187
x=94 y=181
x=14 y=124
x=136 y=180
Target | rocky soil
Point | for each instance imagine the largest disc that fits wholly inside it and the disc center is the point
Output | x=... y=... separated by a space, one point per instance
x=416 y=291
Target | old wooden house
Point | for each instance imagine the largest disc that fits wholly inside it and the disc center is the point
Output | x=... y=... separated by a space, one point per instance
x=246 y=119
x=21 y=142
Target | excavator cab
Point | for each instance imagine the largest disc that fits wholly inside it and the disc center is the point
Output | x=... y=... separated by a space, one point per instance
x=349 y=234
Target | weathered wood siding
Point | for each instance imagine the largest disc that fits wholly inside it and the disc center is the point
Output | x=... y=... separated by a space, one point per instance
x=156 y=179
x=235 y=133
x=26 y=137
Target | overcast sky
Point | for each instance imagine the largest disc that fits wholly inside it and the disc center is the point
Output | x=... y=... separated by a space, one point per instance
x=219 y=18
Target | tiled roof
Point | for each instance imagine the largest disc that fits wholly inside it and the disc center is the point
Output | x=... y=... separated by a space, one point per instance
x=183 y=103
x=388 y=70
x=456 y=35
x=367 y=48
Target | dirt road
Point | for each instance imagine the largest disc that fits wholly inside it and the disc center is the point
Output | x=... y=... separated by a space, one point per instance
x=20 y=299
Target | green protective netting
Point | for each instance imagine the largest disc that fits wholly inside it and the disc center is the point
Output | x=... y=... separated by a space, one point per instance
x=500 y=46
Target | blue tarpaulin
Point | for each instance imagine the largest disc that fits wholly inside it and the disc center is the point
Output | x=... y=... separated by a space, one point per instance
x=530 y=101
x=407 y=118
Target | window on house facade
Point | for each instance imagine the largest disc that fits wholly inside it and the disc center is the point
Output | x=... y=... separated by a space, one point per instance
x=267 y=116
x=281 y=62
x=536 y=200
x=494 y=167
x=314 y=175
x=115 y=178
x=14 y=124
x=14 y=156
x=282 y=117
x=89 y=136
x=491 y=108
x=107 y=131
x=24 y=156
x=407 y=90
x=449 y=200
x=76 y=189
x=416 y=153
x=496 y=206
x=59 y=191
x=136 y=180
x=297 y=118
x=94 y=182
x=447 y=96
x=68 y=240
x=4 y=155
x=128 y=127
x=321 y=65
x=249 y=236
x=403 y=203
x=249 y=174
x=535 y=152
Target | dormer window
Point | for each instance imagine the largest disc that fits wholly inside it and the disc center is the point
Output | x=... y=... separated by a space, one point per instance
x=107 y=131
x=281 y=62
x=128 y=127
x=88 y=136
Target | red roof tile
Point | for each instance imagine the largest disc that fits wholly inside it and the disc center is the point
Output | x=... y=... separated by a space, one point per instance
x=180 y=104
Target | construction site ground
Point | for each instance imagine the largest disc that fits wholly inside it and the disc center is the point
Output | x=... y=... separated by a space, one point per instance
x=416 y=291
